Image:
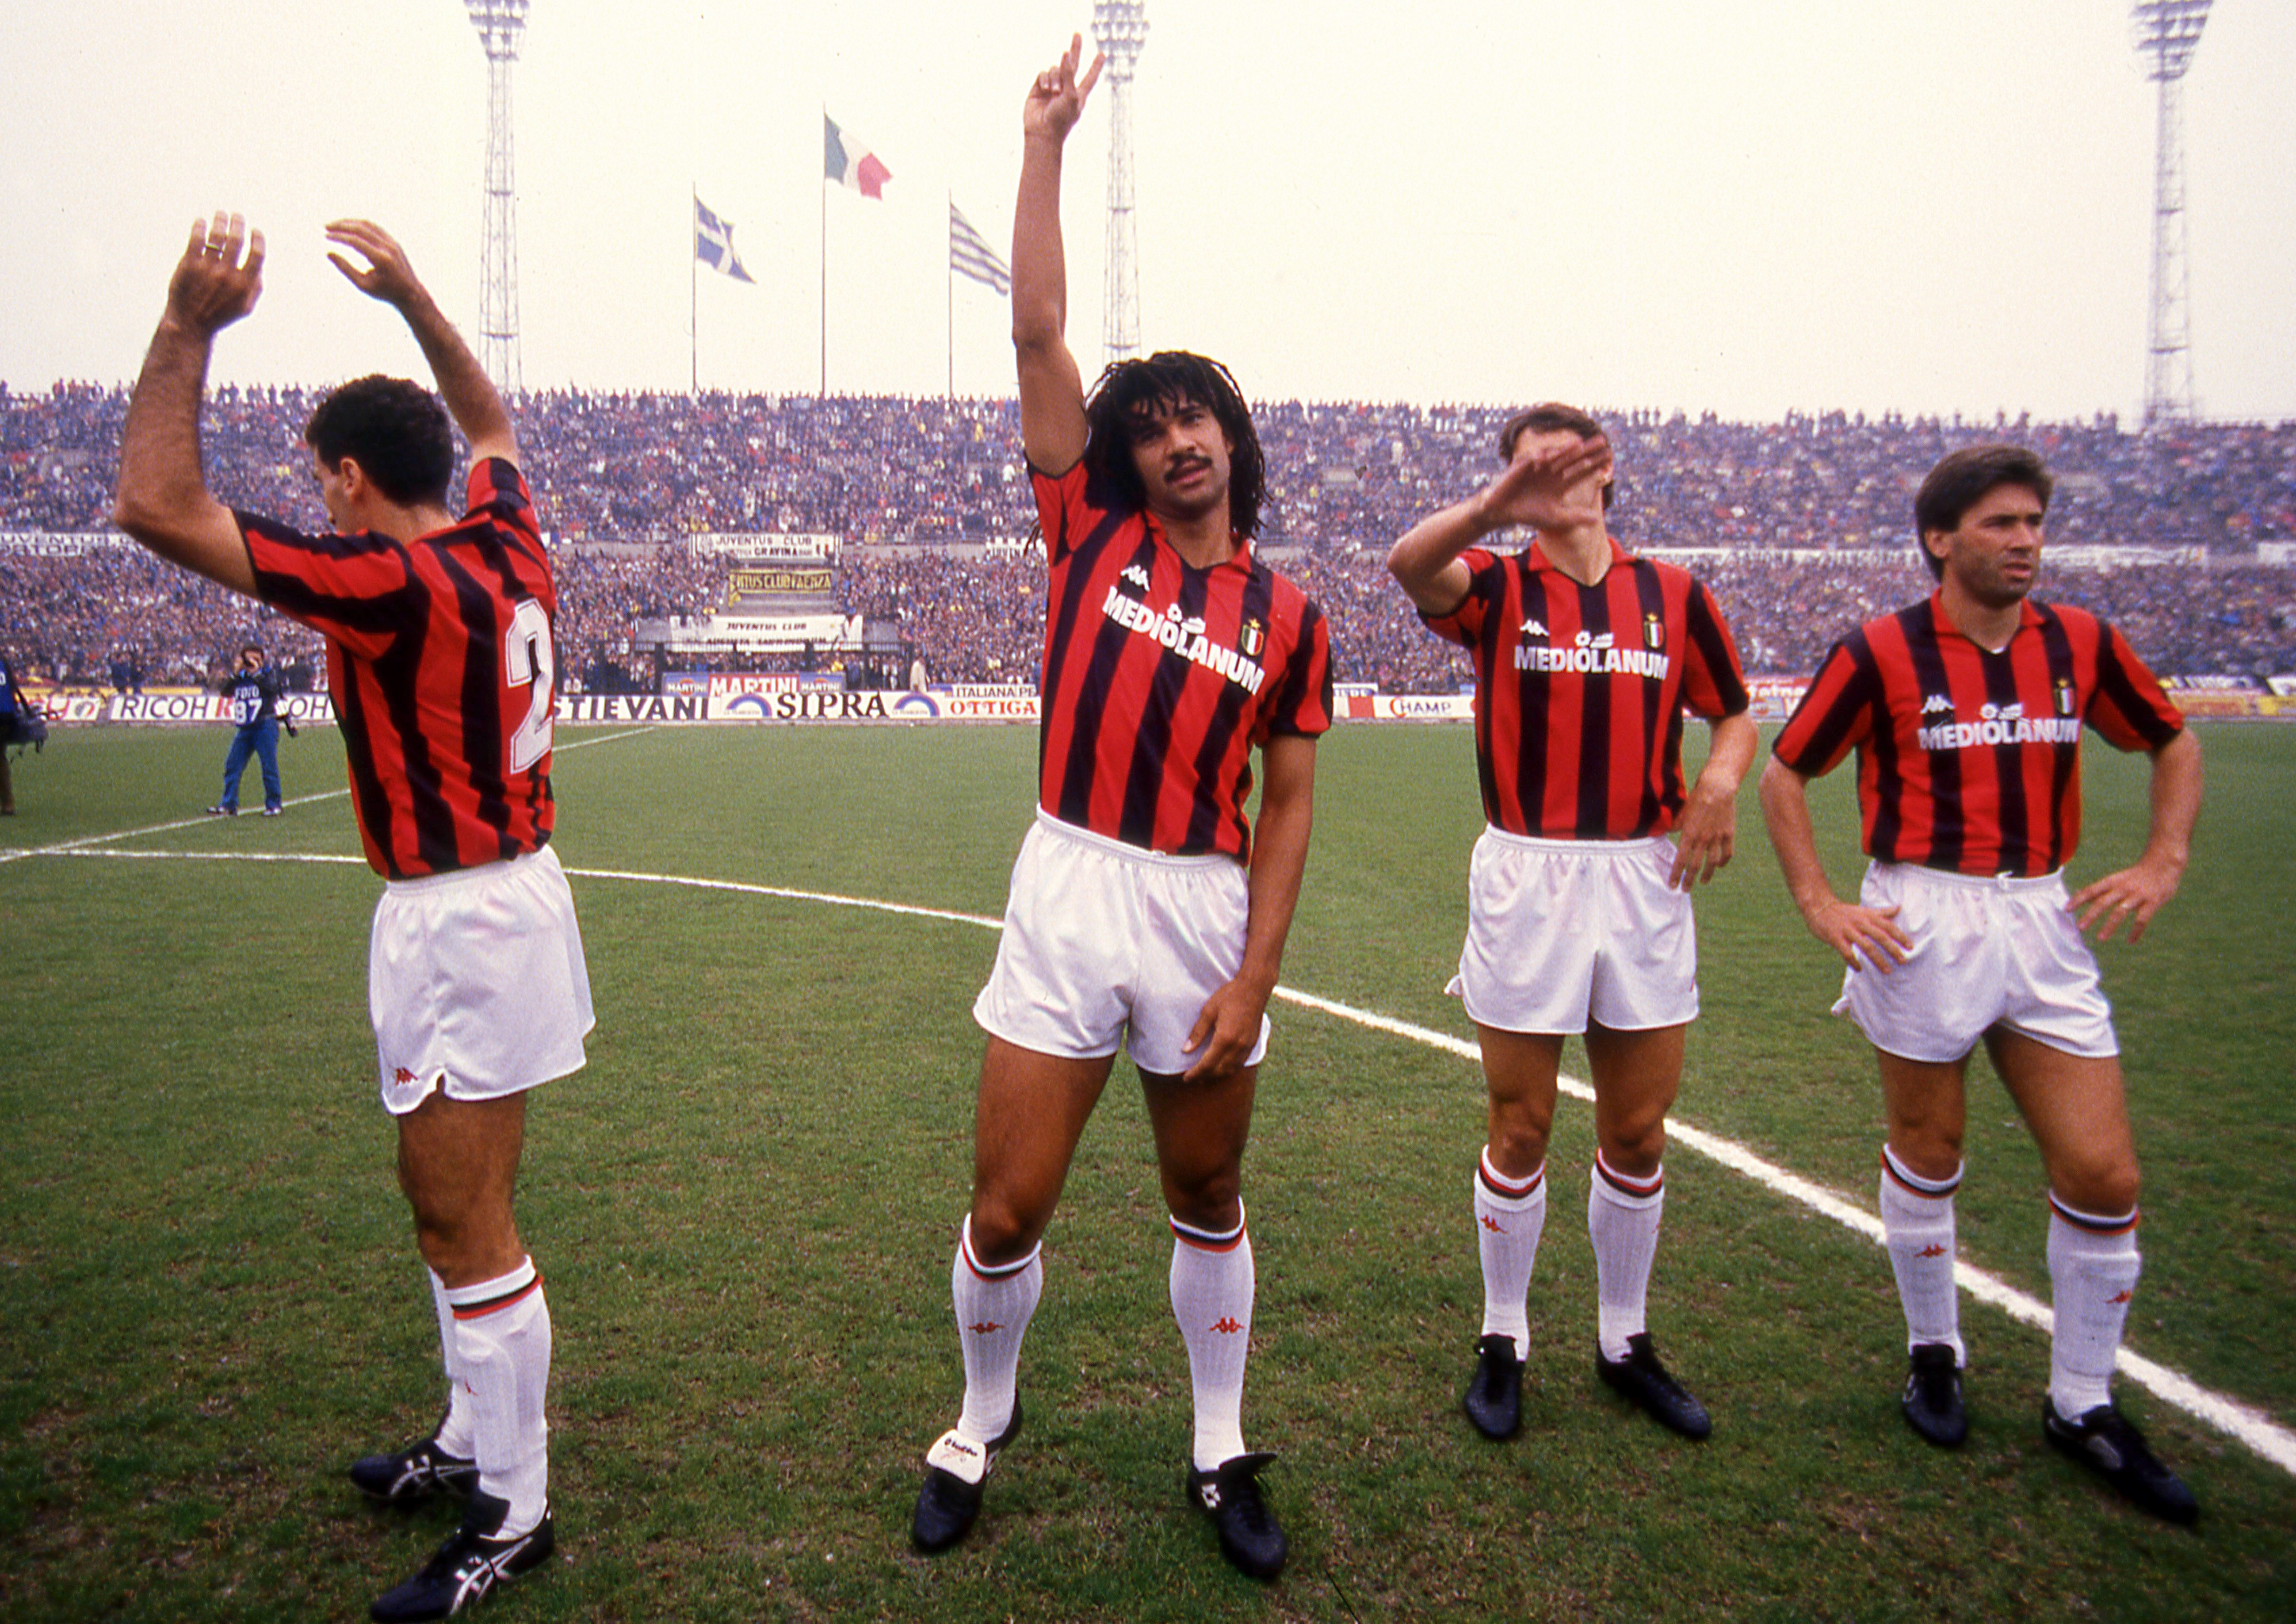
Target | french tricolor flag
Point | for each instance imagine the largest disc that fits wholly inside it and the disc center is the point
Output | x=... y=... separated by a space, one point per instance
x=849 y=163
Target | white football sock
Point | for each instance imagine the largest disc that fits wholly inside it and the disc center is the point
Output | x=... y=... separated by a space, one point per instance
x=993 y=1309
x=1212 y=1289
x=2093 y=1269
x=501 y=1340
x=1510 y=1215
x=1622 y=1217
x=453 y=1434
x=1917 y=1224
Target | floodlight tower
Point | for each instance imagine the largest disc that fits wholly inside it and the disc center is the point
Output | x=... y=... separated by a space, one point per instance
x=499 y=23
x=1120 y=28
x=2166 y=33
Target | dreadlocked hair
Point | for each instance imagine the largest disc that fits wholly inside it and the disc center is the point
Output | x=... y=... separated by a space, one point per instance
x=1129 y=390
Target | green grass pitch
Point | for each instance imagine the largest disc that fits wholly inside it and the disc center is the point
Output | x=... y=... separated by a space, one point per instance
x=746 y=1205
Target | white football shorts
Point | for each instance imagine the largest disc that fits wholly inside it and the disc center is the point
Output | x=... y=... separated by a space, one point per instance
x=1985 y=950
x=476 y=983
x=1102 y=939
x=1560 y=932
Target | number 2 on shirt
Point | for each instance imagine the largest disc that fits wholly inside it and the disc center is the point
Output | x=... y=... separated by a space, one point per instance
x=528 y=660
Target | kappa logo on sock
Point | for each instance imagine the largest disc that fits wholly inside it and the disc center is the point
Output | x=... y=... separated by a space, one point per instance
x=1492 y=1224
x=983 y=1327
x=1932 y=1250
x=1226 y=1325
x=2120 y=1297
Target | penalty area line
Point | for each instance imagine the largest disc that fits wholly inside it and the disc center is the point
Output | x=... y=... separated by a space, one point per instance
x=2245 y=1423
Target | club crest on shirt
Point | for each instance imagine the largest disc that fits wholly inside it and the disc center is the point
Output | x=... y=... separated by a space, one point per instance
x=1251 y=638
x=2064 y=696
x=1184 y=636
x=1653 y=630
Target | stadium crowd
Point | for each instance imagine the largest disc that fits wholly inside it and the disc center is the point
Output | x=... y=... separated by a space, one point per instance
x=912 y=488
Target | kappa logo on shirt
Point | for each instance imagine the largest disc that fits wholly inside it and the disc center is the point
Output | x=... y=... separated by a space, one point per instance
x=1935 y=704
x=1136 y=576
x=1532 y=627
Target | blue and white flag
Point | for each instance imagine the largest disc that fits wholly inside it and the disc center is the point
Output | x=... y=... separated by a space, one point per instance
x=970 y=255
x=713 y=244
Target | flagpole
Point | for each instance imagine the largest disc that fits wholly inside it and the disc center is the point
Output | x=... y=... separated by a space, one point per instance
x=693 y=302
x=824 y=270
x=949 y=277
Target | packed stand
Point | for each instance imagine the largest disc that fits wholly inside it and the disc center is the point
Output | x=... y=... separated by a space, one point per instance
x=910 y=487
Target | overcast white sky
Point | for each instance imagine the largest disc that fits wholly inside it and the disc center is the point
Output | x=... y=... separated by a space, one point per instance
x=1929 y=205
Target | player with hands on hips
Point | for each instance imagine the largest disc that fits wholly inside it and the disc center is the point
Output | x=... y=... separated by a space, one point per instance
x=1966 y=712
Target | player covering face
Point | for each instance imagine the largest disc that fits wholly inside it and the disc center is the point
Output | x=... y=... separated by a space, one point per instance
x=1146 y=911
x=1579 y=922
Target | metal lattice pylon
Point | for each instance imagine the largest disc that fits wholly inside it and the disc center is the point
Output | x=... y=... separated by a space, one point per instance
x=499 y=23
x=1120 y=28
x=2167 y=31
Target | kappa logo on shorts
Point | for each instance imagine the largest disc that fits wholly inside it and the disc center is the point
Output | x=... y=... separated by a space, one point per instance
x=401 y=1076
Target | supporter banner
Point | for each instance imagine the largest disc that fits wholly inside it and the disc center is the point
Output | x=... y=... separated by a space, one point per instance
x=764 y=544
x=782 y=583
x=708 y=633
x=60 y=544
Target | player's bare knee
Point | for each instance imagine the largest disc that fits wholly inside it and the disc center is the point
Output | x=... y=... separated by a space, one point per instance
x=1634 y=1143
x=2104 y=1186
x=1518 y=1149
x=1207 y=1198
x=1004 y=1229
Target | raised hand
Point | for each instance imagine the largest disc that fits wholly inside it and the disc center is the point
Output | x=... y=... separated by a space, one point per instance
x=386 y=277
x=1543 y=490
x=1056 y=99
x=219 y=277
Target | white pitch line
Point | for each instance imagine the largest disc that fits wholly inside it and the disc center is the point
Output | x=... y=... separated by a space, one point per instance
x=2242 y=1422
x=64 y=848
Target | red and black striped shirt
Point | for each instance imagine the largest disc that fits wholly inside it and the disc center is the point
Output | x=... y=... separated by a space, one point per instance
x=1969 y=760
x=440 y=667
x=1580 y=691
x=1161 y=678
